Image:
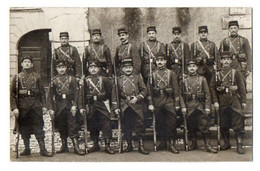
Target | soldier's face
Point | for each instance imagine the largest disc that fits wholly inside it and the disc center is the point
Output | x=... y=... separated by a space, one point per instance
x=176 y=36
x=64 y=40
x=27 y=64
x=203 y=34
x=233 y=30
x=96 y=38
x=61 y=69
x=160 y=62
x=128 y=70
x=192 y=68
x=225 y=62
x=123 y=37
x=151 y=35
x=93 y=70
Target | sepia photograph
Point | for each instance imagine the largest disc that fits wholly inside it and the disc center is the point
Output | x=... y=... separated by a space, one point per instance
x=131 y=84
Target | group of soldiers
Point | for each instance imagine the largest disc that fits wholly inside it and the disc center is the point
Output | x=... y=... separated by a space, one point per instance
x=164 y=80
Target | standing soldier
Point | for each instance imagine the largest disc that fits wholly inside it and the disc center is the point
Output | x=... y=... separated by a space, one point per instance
x=68 y=53
x=198 y=102
x=206 y=54
x=177 y=51
x=30 y=105
x=132 y=91
x=127 y=50
x=99 y=51
x=62 y=105
x=228 y=90
x=97 y=90
x=239 y=48
x=148 y=50
x=166 y=98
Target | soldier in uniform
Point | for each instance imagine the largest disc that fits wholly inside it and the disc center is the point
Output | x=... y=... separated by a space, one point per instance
x=239 y=48
x=177 y=51
x=196 y=95
x=97 y=89
x=68 y=53
x=62 y=104
x=148 y=50
x=99 y=51
x=30 y=105
x=127 y=50
x=229 y=96
x=132 y=91
x=165 y=100
x=206 y=54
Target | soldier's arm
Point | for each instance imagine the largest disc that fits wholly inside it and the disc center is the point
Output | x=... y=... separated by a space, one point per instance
x=114 y=105
x=74 y=90
x=84 y=60
x=186 y=51
x=109 y=60
x=50 y=95
x=116 y=58
x=248 y=52
x=207 y=94
x=175 y=86
x=163 y=48
x=213 y=89
x=136 y=58
x=13 y=93
x=241 y=86
x=142 y=88
x=82 y=90
x=182 y=103
x=192 y=55
x=77 y=62
x=108 y=86
x=216 y=55
x=41 y=91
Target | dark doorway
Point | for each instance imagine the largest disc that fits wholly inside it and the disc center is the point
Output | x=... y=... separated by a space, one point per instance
x=37 y=45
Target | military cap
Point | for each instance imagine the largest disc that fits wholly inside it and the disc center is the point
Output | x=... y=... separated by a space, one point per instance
x=26 y=57
x=160 y=55
x=191 y=61
x=151 y=28
x=226 y=54
x=93 y=62
x=96 y=31
x=122 y=30
x=203 y=29
x=176 y=30
x=233 y=23
x=59 y=63
x=64 y=34
x=127 y=62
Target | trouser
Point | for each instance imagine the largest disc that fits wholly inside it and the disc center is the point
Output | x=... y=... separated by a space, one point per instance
x=198 y=121
x=97 y=121
x=231 y=119
x=66 y=123
x=31 y=123
x=132 y=123
x=166 y=124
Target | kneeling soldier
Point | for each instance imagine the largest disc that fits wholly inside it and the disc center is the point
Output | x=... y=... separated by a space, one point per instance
x=132 y=91
x=30 y=105
x=198 y=101
x=228 y=92
x=97 y=89
x=63 y=98
x=165 y=91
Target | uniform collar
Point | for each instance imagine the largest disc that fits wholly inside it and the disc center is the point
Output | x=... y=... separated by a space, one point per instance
x=204 y=40
x=176 y=41
x=27 y=71
x=126 y=42
x=66 y=45
x=234 y=36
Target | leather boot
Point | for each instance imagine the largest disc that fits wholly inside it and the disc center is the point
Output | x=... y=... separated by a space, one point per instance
x=64 y=146
x=95 y=147
x=141 y=147
x=129 y=147
x=208 y=148
x=76 y=147
x=43 y=151
x=193 y=145
x=172 y=148
x=227 y=144
x=27 y=150
x=107 y=147
x=240 y=148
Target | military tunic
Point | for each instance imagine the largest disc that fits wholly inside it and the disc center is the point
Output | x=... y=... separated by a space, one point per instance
x=147 y=51
x=31 y=100
x=100 y=52
x=69 y=54
x=176 y=52
x=206 y=54
x=241 y=51
x=229 y=92
x=97 y=89
x=63 y=94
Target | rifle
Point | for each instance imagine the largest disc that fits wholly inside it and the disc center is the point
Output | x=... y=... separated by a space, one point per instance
x=119 y=106
x=186 y=141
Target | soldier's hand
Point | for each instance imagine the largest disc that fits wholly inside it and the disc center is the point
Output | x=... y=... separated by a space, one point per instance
x=207 y=111
x=73 y=110
x=82 y=111
x=216 y=105
x=151 y=108
x=44 y=110
x=134 y=100
x=117 y=111
x=51 y=113
x=243 y=105
x=177 y=108
x=16 y=113
x=184 y=111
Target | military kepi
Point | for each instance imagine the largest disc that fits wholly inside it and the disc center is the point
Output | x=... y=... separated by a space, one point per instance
x=59 y=63
x=96 y=31
x=151 y=28
x=176 y=30
x=203 y=29
x=64 y=34
x=127 y=62
x=26 y=57
x=122 y=30
x=226 y=54
x=160 y=55
x=93 y=63
x=191 y=61
x=233 y=23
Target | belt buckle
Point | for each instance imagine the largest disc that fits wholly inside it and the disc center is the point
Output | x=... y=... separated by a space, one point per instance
x=227 y=89
x=95 y=98
x=193 y=97
x=64 y=96
x=176 y=61
x=28 y=92
x=233 y=57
